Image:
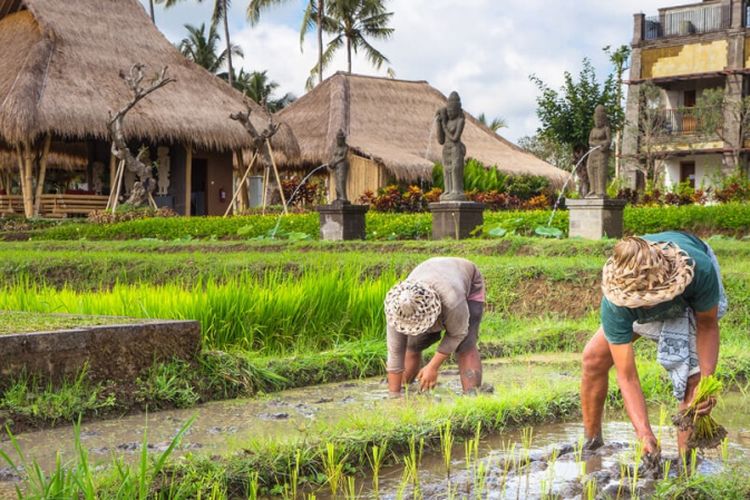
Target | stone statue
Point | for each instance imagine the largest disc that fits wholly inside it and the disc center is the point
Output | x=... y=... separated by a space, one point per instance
x=97 y=177
x=597 y=166
x=450 y=123
x=339 y=165
x=163 y=170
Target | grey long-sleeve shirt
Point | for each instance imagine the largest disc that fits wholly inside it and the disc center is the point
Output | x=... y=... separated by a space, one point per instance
x=456 y=281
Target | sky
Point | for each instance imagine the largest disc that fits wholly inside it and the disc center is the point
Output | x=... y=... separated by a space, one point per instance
x=484 y=49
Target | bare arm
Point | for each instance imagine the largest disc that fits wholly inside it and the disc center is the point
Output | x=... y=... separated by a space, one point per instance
x=632 y=394
x=707 y=340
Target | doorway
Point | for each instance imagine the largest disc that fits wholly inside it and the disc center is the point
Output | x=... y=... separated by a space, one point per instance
x=689 y=123
x=687 y=173
x=198 y=182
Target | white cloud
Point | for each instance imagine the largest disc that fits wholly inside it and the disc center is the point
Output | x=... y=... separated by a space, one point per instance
x=484 y=49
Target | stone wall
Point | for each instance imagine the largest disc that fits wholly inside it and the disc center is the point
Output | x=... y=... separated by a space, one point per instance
x=113 y=352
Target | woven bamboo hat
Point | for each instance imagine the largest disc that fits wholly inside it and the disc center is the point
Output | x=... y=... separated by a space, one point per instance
x=643 y=273
x=412 y=307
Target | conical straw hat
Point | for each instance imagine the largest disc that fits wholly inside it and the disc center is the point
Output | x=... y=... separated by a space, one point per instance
x=643 y=273
x=412 y=307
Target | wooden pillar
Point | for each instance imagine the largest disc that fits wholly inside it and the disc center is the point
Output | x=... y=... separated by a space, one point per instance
x=112 y=172
x=42 y=175
x=188 y=178
x=28 y=174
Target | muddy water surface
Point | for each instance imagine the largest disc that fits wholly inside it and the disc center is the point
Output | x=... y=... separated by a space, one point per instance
x=552 y=466
x=226 y=426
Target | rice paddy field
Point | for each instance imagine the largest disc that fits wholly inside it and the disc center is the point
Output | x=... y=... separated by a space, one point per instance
x=286 y=399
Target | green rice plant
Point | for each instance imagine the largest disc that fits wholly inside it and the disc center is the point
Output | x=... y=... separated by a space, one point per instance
x=446 y=447
x=350 y=492
x=253 y=485
x=333 y=466
x=705 y=431
x=276 y=312
x=480 y=479
x=71 y=398
x=725 y=450
x=167 y=383
x=589 y=490
x=376 y=462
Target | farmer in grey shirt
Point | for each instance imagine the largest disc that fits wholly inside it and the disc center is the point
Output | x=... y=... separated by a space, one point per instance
x=441 y=294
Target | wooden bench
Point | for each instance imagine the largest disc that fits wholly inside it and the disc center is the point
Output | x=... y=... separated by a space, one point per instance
x=65 y=205
x=11 y=204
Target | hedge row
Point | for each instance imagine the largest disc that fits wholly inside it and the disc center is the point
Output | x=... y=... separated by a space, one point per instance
x=733 y=219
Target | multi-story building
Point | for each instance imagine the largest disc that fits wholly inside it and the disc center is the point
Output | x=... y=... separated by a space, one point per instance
x=683 y=51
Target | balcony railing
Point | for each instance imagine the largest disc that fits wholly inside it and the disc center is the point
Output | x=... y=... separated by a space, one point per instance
x=683 y=121
x=687 y=21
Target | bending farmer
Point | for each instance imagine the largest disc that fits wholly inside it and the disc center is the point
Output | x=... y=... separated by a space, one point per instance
x=665 y=287
x=443 y=293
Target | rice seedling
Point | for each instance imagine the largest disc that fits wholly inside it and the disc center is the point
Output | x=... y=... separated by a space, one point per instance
x=333 y=467
x=350 y=491
x=376 y=461
x=725 y=449
x=446 y=447
x=254 y=487
x=706 y=432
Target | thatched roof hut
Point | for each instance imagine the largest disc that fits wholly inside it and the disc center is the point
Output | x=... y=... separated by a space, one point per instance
x=61 y=62
x=391 y=122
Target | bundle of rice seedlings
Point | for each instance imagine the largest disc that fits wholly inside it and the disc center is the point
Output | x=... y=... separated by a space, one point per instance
x=706 y=432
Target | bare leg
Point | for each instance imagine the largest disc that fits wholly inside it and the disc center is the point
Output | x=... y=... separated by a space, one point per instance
x=597 y=362
x=470 y=368
x=683 y=436
x=412 y=365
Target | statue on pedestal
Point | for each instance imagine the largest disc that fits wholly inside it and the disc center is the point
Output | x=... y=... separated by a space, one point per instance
x=339 y=165
x=450 y=123
x=597 y=166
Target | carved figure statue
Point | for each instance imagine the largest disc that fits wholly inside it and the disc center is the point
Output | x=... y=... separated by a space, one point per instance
x=339 y=165
x=145 y=185
x=258 y=139
x=163 y=170
x=597 y=166
x=128 y=179
x=97 y=180
x=450 y=123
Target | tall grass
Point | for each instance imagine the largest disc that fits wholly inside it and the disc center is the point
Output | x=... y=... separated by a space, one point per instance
x=275 y=313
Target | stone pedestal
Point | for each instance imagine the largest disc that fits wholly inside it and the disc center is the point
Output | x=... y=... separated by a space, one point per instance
x=455 y=219
x=342 y=221
x=595 y=218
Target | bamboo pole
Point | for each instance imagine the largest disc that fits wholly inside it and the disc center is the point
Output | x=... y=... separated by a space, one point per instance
x=188 y=178
x=278 y=178
x=112 y=172
x=243 y=202
x=266 y=175
x=242 y=183
x=28 y=192
x=22 y=178
x=42 y=175
x=120 y=176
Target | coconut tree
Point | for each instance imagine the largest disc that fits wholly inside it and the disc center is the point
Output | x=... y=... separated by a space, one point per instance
x=202 y=48
x=221 y=9
x=353 y=23
x=312 y=18
x=260 y=88
x=496 y=124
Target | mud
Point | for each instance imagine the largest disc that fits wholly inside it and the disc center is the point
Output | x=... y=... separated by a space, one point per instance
x=554 y=465
x=540 y=297
x=226 y=426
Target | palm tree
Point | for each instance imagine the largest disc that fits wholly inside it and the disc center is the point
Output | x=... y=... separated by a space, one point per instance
x=354 y=22
x=313 y=17
x=494 y=125
x=202 y=48
x=260 y=89
x=221 y=8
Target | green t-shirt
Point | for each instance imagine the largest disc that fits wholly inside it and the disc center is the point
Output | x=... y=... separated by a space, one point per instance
x=702 y=294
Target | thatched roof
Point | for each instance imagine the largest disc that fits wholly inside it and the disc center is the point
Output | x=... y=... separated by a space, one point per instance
x=392 y=122
x=61 y=61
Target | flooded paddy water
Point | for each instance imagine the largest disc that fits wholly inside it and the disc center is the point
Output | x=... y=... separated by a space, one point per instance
x=512 y=464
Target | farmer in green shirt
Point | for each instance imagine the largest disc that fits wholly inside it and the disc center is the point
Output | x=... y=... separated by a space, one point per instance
x=665 y=287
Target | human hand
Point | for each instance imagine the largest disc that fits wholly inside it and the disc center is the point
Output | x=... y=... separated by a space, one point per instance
x=650 y=445
x=427 y=377
x=705 y=407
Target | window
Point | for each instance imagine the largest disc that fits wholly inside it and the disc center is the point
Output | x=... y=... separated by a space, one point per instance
x=687 y=172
